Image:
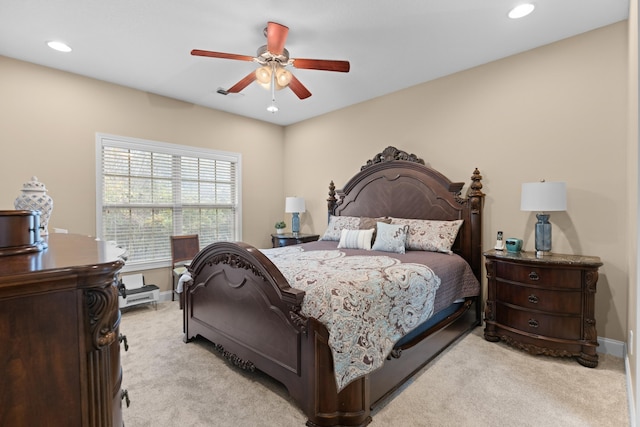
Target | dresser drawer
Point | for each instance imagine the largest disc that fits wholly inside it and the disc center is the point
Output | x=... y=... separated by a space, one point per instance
x=540 y=276
x=568 y=302
x=563 y=327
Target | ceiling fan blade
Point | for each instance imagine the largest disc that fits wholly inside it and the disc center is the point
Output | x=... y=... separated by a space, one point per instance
x=298 y=88
x=246 y=81
x=322 y=64
x=276 y=37
x=198 y=52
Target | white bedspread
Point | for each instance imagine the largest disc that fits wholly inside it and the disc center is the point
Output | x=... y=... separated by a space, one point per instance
x=367 y=303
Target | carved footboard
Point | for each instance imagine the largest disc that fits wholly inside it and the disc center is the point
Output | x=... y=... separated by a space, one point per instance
x=241 y=302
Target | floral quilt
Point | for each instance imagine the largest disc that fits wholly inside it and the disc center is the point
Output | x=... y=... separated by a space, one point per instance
x=367 y=303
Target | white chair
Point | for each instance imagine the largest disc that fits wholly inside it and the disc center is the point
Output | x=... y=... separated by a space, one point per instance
x=183 y=249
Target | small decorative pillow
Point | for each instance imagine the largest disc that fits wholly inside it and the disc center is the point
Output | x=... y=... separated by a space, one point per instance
x=390 y=238
x=356 y=239
x=339 y=223
x=428 y=235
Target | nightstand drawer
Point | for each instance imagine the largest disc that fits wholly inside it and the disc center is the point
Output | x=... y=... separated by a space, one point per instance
x=540 y=276
x=569 y=302
x=563 y=327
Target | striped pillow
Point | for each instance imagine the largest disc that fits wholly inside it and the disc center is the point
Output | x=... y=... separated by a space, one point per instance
x=356 y=239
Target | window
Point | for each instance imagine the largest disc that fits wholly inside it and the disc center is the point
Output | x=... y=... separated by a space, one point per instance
x=148 y=191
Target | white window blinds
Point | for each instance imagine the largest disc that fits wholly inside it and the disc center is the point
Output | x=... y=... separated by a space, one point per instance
x=148 y=191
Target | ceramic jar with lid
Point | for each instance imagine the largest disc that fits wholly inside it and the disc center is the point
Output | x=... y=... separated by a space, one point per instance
x=34 y=197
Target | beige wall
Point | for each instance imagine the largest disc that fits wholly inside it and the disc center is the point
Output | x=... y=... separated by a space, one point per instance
x=633 y=217
x=558 y=112
x=48 y=125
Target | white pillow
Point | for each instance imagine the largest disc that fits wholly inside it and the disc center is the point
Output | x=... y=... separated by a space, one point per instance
x=339 y=223
x=429 y=235
x=390 y=238
x=356 y=239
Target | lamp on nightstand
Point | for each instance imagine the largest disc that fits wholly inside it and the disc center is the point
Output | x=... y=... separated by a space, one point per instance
x=543 y=197
x=295 y=206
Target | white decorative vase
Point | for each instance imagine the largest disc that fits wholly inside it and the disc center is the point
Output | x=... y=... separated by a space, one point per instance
x=280 y=230
x=34 y=197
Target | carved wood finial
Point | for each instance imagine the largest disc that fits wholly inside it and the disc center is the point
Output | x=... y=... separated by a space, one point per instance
x=392 y=153
x=331 y=201
x=476 y=185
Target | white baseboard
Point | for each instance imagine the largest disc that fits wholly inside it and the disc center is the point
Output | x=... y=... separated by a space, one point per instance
x=166 y=296
x=612 y=347
x=630 y=398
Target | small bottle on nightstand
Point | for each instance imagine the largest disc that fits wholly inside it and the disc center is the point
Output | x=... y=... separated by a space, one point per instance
x=499 y=242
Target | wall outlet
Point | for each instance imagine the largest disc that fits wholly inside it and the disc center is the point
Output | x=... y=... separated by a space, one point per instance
x=630 y=344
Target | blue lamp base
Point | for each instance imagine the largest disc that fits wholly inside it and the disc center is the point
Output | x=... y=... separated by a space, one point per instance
x=295 y=222
x=543 y=234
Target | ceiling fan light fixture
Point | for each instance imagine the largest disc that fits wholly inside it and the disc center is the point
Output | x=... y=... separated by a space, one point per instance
x=273 y=58
x=521 y=10
x=283 y=77
x=263 y=75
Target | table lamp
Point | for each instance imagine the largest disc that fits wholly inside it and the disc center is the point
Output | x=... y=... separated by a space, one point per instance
x=295 y=206
x=543 y=197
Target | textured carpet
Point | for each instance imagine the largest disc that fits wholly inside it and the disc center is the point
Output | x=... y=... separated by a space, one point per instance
x=474 y=383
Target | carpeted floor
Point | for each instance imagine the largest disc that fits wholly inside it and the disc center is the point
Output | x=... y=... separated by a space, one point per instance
x=474 y=383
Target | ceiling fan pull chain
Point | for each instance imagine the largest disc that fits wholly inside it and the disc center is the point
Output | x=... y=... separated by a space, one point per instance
x=273 y=108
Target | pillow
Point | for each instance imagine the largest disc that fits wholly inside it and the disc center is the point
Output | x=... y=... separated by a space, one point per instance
x=339 y=223
x=390 y=238
x=367 y=223
x=428 y=235
x=356 y=239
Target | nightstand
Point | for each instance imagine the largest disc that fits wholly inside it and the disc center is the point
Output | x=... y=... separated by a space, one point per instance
x=288 y=239
x=543 y=305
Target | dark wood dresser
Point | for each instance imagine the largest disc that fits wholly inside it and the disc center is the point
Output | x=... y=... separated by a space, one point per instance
x=288 y=239
x=59 y=335
x=543 y=305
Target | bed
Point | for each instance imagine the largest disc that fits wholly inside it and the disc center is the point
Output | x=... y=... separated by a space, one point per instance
x=240 y=298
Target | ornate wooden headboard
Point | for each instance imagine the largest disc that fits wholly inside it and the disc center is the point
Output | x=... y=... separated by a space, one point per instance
x=397 y=184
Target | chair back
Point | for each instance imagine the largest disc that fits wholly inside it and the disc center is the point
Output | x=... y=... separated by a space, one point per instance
x=184 y=248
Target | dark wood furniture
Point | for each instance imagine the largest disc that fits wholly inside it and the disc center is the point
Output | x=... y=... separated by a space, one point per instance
x=543 y=305
x=59 y=340
x=241 y=302
x=288 y=239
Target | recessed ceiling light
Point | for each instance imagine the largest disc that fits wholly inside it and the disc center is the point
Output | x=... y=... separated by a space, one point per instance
x=521 y=11
x=59 y=46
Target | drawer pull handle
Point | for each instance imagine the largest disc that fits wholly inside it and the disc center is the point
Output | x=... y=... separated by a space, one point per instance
x=534 y=276
x=533 y=323
x=123 y=339
x=124 y=395
x=533 y=299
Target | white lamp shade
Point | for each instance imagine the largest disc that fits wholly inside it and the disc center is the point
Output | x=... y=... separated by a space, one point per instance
x=294 y=204
x=544 y=196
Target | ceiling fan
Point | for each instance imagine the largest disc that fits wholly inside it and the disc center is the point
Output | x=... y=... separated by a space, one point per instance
x=274 y=59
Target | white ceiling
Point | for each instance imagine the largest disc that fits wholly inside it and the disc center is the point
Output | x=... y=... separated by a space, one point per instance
x=391 y=44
